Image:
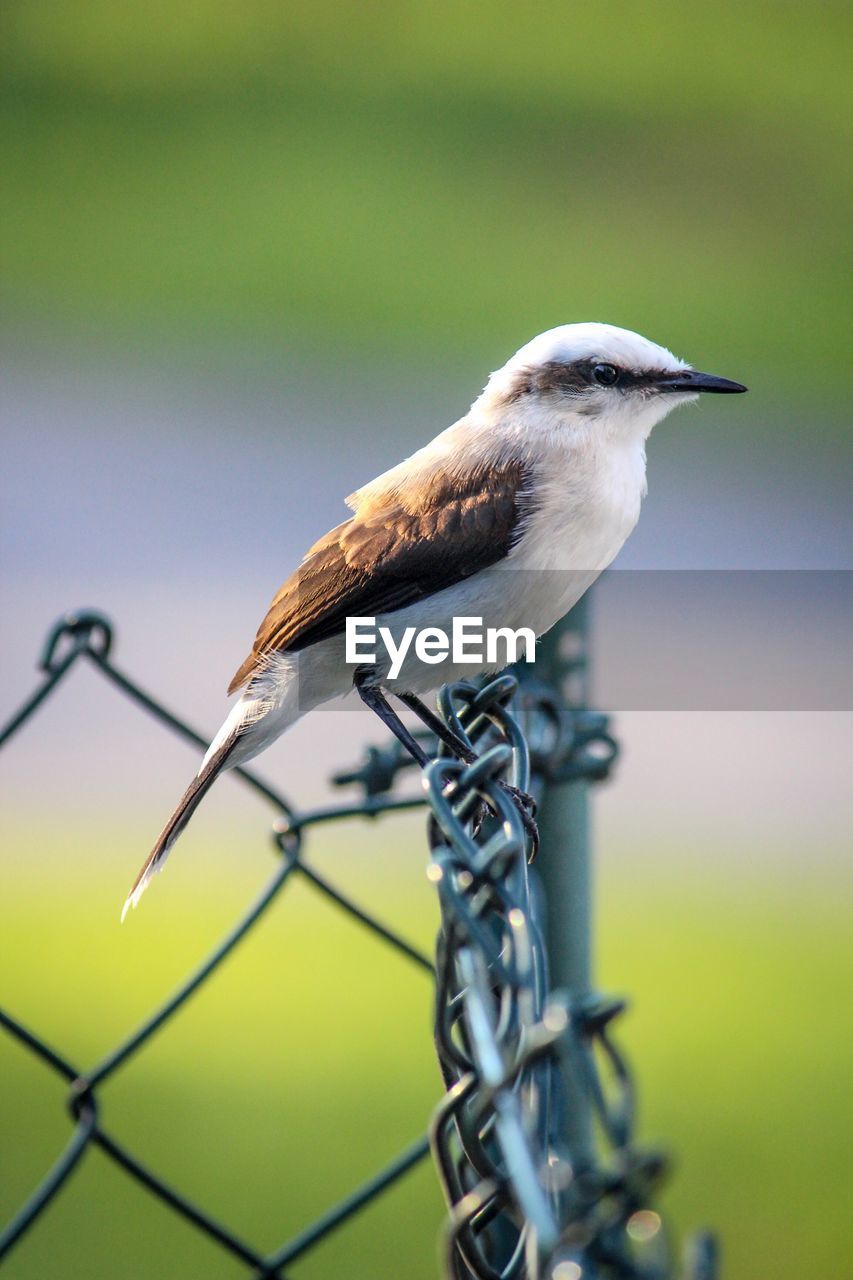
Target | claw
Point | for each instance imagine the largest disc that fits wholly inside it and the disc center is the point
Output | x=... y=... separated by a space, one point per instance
x=526 y=806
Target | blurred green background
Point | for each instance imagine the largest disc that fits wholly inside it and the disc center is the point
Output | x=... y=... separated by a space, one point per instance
x=442 y=174
x=244 y=243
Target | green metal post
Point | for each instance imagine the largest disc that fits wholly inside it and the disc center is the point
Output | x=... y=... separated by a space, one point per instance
x=565 y=862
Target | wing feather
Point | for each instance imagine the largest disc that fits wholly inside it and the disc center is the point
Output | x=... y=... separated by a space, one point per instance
x=399 y=551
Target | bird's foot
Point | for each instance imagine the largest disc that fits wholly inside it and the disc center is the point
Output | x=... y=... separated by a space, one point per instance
x=526 y=806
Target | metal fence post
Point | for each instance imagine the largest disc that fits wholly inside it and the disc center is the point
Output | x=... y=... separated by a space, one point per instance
x=565 y=862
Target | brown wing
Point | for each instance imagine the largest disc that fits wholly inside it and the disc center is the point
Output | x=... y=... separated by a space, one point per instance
x=389 y=557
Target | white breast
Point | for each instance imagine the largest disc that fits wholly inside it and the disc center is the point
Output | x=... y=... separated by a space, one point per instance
x=585 y=505
x=581 y=516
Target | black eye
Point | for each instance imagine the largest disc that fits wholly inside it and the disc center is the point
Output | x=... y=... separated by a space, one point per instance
x=605 y=374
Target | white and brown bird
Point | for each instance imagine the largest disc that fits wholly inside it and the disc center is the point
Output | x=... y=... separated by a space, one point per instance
x=507 y=516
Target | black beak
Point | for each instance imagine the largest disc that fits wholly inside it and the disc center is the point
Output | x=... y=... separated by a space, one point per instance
x=690 y=380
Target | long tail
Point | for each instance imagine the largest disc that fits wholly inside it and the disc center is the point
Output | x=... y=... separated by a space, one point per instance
x=189 y=802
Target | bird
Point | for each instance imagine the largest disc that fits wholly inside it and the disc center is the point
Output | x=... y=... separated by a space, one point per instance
x=506 y=516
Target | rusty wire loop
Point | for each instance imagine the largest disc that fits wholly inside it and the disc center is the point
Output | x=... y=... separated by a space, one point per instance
x=518 y=1209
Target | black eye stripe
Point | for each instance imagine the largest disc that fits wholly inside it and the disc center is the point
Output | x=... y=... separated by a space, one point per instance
x=648 y=378
x=577 y=378
x=628 y=379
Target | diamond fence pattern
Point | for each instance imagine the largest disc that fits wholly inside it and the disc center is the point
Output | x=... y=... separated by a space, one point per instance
x=518 y=1059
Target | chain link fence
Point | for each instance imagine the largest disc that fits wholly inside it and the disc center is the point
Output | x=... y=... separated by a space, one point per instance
x=522 y=1064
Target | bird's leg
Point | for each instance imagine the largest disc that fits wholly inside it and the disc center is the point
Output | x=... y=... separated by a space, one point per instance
x=437 y=726
x=524 y=802
x=373 y=697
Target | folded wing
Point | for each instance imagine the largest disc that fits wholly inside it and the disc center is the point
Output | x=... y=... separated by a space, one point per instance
x=398 y=551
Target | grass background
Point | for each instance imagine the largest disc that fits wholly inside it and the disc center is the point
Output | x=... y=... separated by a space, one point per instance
x=306 y=1064
x=432 y=176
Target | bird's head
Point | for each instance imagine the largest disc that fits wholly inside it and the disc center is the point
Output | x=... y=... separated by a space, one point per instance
x=598 y=376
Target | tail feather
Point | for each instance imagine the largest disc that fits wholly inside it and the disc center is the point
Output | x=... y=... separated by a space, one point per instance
x=187 y=806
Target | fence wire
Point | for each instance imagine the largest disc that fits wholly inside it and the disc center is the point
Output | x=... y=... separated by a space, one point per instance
x=521 y=1206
